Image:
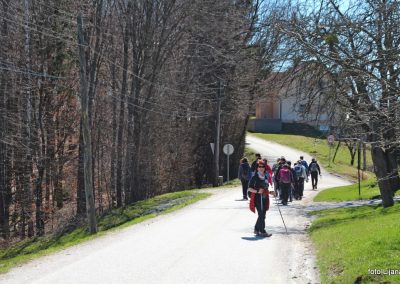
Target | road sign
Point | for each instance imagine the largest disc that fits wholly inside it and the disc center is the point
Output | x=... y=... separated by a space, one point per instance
x=212 y=147
x=331 y=139
x=228 y=149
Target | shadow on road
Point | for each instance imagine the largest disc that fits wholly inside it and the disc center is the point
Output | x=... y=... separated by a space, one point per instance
x=255 y=238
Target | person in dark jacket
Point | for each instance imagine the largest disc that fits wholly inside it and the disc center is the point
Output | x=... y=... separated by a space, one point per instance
x=299 y=177
x=293 y=185
x=244 y=175
x=258 y=186
x=305 y=164
x=254 y=163
x=285 y=179
x=314 y=170
x=282 y=161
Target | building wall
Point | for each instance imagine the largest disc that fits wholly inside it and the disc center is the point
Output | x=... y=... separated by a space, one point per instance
x=288 y=101
x=265 y=125
x=268 y=109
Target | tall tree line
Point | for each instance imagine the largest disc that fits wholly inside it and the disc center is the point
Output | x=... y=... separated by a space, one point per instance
x=152 y=68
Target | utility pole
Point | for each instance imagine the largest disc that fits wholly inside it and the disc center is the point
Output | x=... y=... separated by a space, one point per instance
x=217 y=137
x=86 y=132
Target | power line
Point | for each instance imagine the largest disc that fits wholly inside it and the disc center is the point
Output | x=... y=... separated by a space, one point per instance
x=36 y=30
x=56 y=35
x=15 y=69
x=177 y=92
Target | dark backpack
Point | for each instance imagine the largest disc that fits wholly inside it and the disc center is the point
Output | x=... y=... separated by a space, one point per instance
x=304 y=163
x=284 y=176
x=313 y=167
x=298 y=170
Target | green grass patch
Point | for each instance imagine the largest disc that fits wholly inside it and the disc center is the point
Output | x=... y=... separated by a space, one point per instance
x=349 y=241
x=116 y=219
x=318 y=148
x=232 y=183
x=249 y=154
x=368 y=188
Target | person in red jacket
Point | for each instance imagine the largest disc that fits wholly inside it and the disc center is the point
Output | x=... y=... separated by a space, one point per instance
x=259 y=198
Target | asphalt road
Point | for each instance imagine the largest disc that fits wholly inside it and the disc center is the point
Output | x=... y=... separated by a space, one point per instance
x=211 y=241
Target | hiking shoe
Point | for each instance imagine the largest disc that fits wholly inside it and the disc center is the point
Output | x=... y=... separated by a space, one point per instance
x=265 y=234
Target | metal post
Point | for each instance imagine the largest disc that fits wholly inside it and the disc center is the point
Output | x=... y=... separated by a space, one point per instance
x=227 y=169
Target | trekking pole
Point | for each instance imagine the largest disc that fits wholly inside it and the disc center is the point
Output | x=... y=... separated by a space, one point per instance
x=279 y=209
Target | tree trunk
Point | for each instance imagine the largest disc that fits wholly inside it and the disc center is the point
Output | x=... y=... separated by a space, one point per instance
x=27 y=133
x=114 y=132
x=86 y=133
x=121 y=120
x=80 y=189
x=364 y=151
x=5 y=190
x=393 y=170
x=381 y=168
x=39 y=198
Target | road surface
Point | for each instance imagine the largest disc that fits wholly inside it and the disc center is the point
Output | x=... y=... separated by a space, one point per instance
x=211 y=241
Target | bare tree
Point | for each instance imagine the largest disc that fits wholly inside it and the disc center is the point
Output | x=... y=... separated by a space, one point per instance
x=356 y=49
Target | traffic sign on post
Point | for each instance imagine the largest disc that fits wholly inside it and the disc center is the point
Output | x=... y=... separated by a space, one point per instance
x=228 y=150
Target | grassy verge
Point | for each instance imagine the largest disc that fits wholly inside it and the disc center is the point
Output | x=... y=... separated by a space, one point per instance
x=368 y=188
x=349 y=241
x=319 y=149
x=116 y=219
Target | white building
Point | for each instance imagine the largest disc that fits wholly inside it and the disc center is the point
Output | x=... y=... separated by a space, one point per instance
x=290 y=99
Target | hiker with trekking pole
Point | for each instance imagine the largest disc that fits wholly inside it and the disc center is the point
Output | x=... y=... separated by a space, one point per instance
x=259 y=197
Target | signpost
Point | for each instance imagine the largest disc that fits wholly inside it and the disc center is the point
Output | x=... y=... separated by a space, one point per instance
x=228 y=150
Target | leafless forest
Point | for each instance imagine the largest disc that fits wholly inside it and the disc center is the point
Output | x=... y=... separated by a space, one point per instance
x=154 y=73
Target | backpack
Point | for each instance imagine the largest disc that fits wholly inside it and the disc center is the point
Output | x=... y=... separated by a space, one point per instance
x=304 y=163
x=298 y=170
x=284 y=176
x=313 y=167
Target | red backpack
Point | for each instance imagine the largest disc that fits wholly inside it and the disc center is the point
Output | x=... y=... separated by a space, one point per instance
x=284 y=176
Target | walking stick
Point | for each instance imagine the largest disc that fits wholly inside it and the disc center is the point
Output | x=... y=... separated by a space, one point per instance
x=279 y=209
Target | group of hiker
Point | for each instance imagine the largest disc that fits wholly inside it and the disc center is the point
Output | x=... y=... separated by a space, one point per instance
x=287 y=180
